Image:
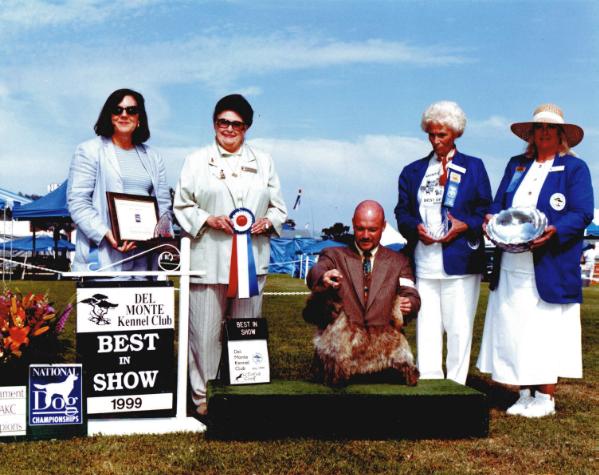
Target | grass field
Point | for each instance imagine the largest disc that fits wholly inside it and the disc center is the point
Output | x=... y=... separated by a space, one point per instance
x=565 y=443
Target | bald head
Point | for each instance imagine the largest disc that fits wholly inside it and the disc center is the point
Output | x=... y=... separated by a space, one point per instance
x=370 y=208
x=369 y=223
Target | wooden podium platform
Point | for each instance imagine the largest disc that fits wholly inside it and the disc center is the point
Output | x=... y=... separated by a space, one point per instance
x=433 y=409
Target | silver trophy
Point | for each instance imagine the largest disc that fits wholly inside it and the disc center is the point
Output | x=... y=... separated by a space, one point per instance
x=437 y=224
x=514 y=229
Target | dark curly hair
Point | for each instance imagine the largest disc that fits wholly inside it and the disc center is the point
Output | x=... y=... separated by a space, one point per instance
x=104 y=125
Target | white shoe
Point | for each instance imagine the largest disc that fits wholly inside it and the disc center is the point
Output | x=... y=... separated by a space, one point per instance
x=521 y=404
x=543 y=405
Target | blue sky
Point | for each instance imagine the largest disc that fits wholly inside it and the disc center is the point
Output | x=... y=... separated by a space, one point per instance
x=338 y=87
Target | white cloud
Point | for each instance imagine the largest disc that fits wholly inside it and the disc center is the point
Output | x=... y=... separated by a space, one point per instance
x=38 y=13
x=335 y=175
x=490 y=126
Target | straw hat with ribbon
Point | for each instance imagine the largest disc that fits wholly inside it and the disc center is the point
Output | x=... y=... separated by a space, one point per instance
x=549 y=114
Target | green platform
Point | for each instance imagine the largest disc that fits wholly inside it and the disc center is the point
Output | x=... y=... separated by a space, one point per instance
x=434 y=408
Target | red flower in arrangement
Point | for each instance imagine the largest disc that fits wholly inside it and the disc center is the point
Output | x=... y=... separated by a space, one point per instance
x=23 y=319
x=17 y=337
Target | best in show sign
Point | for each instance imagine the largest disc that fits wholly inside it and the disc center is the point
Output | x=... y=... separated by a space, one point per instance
x=125 y=339
x=247 y=359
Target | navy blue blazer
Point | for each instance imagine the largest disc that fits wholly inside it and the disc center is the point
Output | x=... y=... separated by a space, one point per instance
x=566 y=198
x=465 y=254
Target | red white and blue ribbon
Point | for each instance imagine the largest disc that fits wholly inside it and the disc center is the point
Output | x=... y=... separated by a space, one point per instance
x=243 y=282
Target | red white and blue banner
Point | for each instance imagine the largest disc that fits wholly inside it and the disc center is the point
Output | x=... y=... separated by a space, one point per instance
x=243 y=282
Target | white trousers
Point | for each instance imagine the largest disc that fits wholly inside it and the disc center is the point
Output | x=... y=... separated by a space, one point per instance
x=448 y=306
x=208 y=308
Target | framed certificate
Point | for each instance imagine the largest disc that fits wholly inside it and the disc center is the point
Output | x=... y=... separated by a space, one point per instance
x=132 y=217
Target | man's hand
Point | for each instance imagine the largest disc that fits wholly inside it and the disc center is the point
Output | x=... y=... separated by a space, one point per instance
x=544 y=238
x=405 y=305
x=457 y=227
x=332 y=278
x=424 y=236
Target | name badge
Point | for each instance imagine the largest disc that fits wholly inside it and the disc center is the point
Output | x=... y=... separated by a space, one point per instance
x=518 y=173
x=558 y=168
x=457 y=168
x=249 y=169
x=451 y=191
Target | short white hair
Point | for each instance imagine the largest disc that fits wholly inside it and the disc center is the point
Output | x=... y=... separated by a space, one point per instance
x=447 y=113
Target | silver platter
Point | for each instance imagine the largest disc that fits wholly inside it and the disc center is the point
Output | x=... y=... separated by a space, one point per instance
x=514 y=229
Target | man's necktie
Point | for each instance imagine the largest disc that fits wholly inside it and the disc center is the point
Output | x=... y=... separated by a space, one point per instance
x=367 y=266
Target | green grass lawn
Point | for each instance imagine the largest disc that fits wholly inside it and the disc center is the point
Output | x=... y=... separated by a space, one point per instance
x=565 y=443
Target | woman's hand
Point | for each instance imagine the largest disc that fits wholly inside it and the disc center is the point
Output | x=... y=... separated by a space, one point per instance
x=457 y=227
x=262 y=226
x=424 y=236
x=543 y=238
x=126 y=246
x=221 y=223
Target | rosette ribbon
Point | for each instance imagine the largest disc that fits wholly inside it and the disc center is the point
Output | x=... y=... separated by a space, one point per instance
x=243 y=282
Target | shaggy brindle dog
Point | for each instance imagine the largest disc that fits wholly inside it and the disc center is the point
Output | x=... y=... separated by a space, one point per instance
x=344 y=349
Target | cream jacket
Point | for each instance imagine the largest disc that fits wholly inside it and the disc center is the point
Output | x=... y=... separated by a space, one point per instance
x=206 y=188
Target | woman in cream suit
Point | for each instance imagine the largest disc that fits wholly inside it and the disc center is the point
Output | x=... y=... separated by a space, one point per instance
x=118 y=161
x=215 y=180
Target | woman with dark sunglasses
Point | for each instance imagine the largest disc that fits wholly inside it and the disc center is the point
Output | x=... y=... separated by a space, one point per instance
x=216 y=180
x=116 y=161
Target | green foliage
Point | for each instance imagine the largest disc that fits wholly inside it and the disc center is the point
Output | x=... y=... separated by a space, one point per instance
x=565 y=443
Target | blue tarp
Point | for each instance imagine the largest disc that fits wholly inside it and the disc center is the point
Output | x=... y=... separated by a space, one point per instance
x=52 y=205
x=288 y=255
x=285 y=254
x=42 y=243
x=593 y=230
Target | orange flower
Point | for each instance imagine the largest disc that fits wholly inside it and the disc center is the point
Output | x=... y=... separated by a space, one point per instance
x=16 y=338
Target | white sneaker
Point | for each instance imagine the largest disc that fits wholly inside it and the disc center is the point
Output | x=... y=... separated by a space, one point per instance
x=543 y=405
x=521 y=404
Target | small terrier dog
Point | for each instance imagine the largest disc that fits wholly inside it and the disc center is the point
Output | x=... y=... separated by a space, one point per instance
x=344 y=349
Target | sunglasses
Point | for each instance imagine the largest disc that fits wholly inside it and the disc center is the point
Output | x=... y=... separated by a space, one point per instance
x=545 y=126
x=131 y=110
x=224 y=124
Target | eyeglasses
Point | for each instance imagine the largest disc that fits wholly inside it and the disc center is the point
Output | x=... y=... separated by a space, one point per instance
x=545 y=126
x=130 y=110
x=224 y=124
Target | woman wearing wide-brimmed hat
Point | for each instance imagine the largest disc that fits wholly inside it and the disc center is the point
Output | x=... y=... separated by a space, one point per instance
x=532 y=332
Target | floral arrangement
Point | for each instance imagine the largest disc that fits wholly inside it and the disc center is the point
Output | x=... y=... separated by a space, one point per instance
x=23 y=319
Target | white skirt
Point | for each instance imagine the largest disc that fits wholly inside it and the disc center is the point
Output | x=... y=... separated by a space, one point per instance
x=527 y=341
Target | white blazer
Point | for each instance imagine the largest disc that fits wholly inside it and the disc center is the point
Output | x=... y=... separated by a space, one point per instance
x=206 y=189
x=94 y=171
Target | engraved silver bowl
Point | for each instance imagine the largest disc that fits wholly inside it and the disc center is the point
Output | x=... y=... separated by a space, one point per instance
x=514 y=229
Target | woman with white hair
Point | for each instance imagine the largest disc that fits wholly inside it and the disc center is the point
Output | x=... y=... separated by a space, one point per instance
x=532 y=332
x=442 y=201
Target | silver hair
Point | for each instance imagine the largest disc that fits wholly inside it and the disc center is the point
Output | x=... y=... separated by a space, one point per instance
x=447 y=113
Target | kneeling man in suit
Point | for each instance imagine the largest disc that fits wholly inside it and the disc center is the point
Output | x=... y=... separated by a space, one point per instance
x=361 y=297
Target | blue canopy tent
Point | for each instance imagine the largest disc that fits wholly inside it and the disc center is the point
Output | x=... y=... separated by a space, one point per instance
x=51 y=206
x=47 y=213
x=8 y=199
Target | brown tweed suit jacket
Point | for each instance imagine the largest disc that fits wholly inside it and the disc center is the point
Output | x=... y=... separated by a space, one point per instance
x=389 y=267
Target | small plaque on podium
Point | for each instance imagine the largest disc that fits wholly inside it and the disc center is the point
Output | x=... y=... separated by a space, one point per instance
x=247 y=351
